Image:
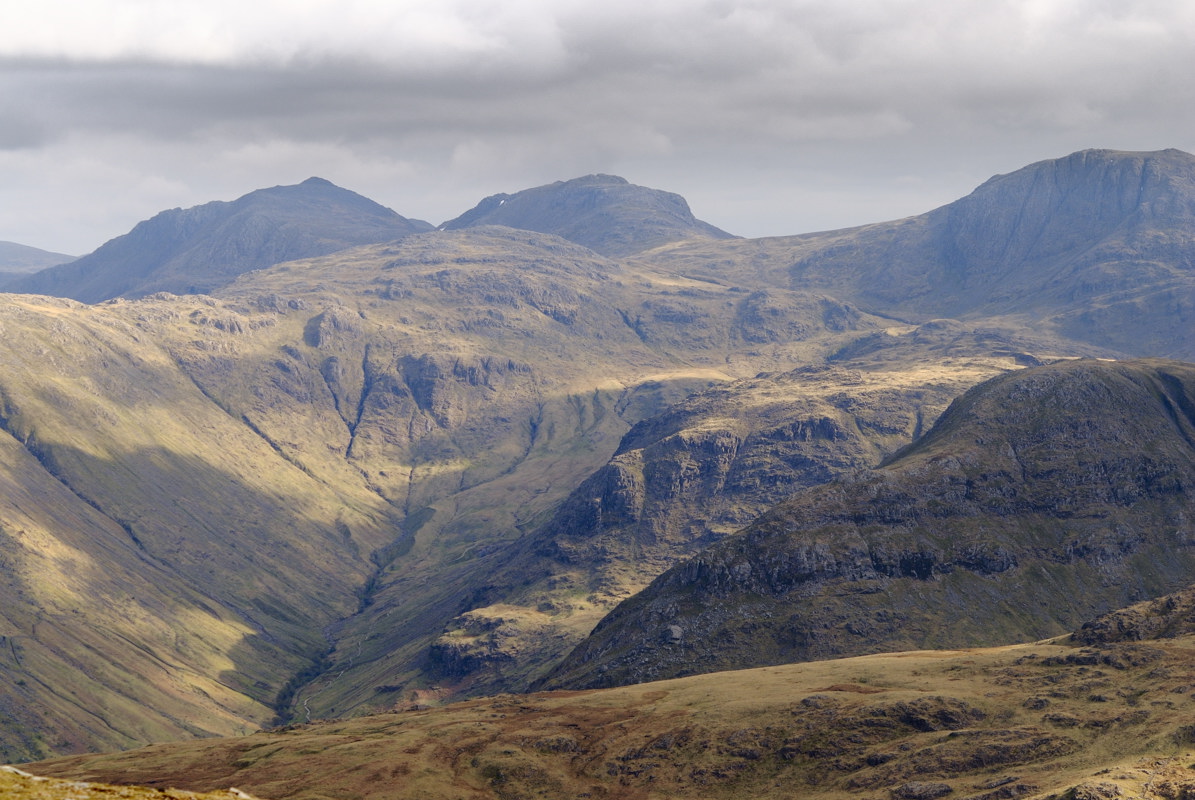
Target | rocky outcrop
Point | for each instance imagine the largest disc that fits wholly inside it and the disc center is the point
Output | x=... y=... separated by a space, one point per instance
x=1162 y=618
x=1039 y=499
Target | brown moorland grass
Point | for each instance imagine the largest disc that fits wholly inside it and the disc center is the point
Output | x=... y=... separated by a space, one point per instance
x=1021 y=721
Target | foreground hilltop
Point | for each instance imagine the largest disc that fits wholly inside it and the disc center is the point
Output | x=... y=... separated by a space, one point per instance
x=1046 y=720
x=1040 y=498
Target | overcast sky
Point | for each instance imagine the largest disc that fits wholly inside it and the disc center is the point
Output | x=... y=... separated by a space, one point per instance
x=770 y=116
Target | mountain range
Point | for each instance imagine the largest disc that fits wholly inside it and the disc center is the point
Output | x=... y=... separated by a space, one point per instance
x=376 y=464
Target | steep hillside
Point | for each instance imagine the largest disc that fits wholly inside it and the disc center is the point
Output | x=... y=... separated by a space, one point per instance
x=1097 y=246
x=166 y=569
x=696 y=473
x=597 y=348
x=196 y=250
x=211 y=499
x=1040 y=498
x=603 y=212
x=1046 y=720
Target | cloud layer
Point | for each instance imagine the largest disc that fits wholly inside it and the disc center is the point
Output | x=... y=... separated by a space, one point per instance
x=772 y=117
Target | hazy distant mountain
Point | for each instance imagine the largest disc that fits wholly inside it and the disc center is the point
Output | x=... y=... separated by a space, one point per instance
x=195 y=250
x=1098 y=246
x=1040 y=498
x=603 y=212
x=17 y=258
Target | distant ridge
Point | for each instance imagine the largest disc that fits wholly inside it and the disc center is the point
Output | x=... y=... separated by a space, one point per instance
x=605 y=213
x=17 y=258
x=1097 y=246
x=196 y=250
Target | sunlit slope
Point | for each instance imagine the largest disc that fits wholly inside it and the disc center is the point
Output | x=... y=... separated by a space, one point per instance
x=478 y=377
x=1022 y=721
x=231 y=479
x=17 y=784
x=167 y=569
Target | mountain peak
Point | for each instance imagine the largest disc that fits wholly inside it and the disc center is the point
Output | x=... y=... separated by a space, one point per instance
x=198 y=249
x=605 y=213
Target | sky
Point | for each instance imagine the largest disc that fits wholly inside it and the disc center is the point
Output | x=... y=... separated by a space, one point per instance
x=771 y=117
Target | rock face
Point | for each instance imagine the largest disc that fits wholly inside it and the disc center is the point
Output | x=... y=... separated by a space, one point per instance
x=196 y=250
x=680 y=481
x=1165 y=617
x=1039 y=499
x=603 y=212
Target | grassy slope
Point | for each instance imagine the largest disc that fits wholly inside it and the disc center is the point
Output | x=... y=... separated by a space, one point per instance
x=1017 y=721
x=196 y=489
x=19 y=785
x=368 y=425
x=160 y=554
x=480 y=456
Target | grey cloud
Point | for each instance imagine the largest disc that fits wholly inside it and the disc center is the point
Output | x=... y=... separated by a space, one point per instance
x=856 y=99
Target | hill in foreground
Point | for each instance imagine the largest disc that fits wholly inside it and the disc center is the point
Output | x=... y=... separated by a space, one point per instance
x=1040 y=498
x=17 y=784
x=1047 y=720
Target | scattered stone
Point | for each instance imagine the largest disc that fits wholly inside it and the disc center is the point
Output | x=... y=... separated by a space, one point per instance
x=922 y=790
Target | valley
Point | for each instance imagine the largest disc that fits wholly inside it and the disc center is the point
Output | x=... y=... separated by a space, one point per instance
x=299 y=458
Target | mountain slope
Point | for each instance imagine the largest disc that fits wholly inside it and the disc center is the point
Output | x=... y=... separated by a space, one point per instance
x=210 y=500
x=165 y=568
x=1097 y=246
x=693 y=474
x=603 y=212
x=333 y=463
x=19 y=258
x=196 y=250
x=1040 y=498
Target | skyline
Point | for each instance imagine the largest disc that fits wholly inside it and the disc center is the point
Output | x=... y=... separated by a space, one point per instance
x=770 y=118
